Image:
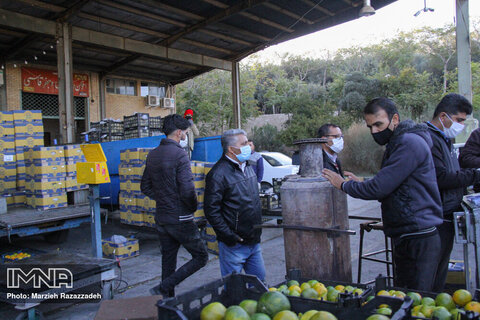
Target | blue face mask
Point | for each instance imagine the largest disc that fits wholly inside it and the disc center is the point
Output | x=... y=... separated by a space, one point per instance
x=245 y=153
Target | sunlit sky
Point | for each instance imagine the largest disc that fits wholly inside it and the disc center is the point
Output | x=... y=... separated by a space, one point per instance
x=388 y=21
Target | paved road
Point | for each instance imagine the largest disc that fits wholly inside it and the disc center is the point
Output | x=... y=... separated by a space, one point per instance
x=143 y=272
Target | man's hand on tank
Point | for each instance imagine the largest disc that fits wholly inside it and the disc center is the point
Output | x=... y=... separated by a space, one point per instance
x=335 y=179
x=351 y=176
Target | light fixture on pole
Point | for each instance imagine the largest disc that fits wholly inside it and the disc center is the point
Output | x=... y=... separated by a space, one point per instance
x=367 y=9
x=425 y=9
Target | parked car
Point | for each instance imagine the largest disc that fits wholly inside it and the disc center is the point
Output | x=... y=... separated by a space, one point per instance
x=276 y=165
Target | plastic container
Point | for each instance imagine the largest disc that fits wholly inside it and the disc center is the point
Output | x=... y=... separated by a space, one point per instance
x=156 y=123
x=207 y=149
x=235 y=288
x=137 y=132
x=136 y=120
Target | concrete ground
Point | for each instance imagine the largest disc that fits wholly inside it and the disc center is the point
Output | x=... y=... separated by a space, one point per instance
x=144 y=271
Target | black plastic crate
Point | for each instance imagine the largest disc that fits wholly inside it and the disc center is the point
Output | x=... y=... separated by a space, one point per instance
x=230 y=290
x=346 y=299
x=381 y=283
x=269 y=201
x=138 y=132
x=112 y=127
x=156 y=123
x=235 y=288
x=109 y=138
x=277 y=183
x=136 y=120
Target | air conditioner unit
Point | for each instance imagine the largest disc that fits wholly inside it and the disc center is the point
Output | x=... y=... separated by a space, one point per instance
x=152 y=101
x=168 y=103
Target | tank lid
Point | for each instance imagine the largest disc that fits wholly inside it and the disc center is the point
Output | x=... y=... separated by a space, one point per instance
x=311 y=140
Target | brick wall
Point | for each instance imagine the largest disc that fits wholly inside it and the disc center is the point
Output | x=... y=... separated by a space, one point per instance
x=117 y=105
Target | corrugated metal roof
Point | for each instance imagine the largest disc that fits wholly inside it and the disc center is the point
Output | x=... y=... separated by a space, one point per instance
x=226 y=30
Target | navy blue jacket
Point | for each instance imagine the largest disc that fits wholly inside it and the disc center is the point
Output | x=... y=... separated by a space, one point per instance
x=406 y=185
x=452 y=181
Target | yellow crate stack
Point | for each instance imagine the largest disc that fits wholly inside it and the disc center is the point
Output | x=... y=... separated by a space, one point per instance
x=45 y=177
x=28 y=128
x=135 y=208
x=73 y=154
x=8 y=170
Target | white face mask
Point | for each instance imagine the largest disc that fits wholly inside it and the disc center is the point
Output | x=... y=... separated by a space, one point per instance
x=337 y=145
x=454 y=129
x=184 y=143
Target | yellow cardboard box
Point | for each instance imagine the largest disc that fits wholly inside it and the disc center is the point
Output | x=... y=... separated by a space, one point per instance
x=46 y=201
x=42 y=186
x=29 y=141
x=149 y=219
x=130 y=185
x=7 y=142
x=6 y=116
x=27 y=115
x=92 y=172
x=127 y=201
x=6 y=129
x=71 y=184
x=28 y=128
x=120 y=251
x=8 y=157
x=8 y=183
x=46 y=170
x=73 y=152
x=39 y=153
x=131 y=217
x=8 y=169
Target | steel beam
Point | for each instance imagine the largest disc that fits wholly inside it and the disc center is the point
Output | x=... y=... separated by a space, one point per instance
x=236 y=95
x=42 y=26
x=65 y=83
x=464 y=60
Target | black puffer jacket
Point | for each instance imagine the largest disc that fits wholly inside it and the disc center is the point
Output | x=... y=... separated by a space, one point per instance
x=232 y=203
x=406 y=185
x=451 y=180
x=168 y=180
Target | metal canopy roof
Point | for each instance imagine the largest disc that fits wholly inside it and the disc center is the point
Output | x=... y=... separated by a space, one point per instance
x=168 y=41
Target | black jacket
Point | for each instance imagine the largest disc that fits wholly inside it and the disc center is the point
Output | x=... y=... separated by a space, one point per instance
x=406 y=184
x=232 y=203
x=168 y=180
x=451 y=180
x=329 y=164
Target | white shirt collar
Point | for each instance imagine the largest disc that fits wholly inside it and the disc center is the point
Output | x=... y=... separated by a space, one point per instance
x=332 y=157
x=241 y=165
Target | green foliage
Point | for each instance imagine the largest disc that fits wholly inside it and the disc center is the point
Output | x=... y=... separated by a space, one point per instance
x=361 y=154
x=266 y=138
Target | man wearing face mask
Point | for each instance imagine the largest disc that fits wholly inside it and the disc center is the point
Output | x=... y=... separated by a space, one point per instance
x=232 y=207
x=189 y=141
x=332 y=148
x=447 y=123
x=411 y=205
x=168 y=180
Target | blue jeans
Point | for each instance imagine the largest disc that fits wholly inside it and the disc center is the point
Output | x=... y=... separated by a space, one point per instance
x=238 y=257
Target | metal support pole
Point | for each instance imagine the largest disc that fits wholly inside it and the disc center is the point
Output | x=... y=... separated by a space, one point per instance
x=236 y=94
x=101 y=82
x=96 y=228
x=463 y=49
x=3 y=87
x=65 y=82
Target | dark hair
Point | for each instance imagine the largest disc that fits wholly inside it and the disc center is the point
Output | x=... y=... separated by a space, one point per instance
x=174 y=122
x=324 y=130
x=453 y=103
x=382 y=103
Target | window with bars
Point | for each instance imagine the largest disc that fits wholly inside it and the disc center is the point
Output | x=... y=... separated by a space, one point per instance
x=48 y=104
x=121 y=86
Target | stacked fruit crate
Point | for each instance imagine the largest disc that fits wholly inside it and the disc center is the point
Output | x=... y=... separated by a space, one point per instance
x=132 y=203
x=136 y=125
x=7 y=159
x=45 y=177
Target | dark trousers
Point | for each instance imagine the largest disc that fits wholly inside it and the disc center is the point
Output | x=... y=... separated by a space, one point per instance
x=447 y=235
x=171 y=237
x=416 y=261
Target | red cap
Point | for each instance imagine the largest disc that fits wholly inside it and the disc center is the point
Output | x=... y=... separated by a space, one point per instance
x=188 y=112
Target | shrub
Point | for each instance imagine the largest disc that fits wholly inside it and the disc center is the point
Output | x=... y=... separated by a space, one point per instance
x=361 y=154
x=267 y=138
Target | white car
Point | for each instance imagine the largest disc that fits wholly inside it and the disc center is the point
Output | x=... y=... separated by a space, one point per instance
x=276 y=165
